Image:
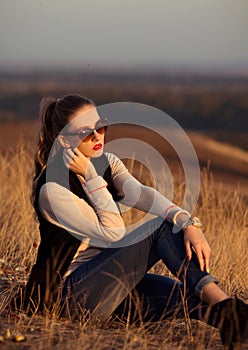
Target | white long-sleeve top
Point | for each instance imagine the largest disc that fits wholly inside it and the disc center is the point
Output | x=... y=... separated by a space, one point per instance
x=99 y=225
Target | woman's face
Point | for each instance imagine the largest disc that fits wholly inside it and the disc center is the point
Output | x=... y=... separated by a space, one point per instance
x=87 y=117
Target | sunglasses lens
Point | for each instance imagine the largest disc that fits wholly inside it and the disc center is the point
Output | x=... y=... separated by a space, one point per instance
x=84 y=133
x=101 y=128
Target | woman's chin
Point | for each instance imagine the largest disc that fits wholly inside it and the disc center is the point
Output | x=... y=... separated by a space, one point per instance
x=97 y=154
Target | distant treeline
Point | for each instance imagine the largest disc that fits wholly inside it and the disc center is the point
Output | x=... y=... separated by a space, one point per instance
x=195 y=101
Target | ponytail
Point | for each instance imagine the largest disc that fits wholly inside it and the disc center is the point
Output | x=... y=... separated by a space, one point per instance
x=45 y=138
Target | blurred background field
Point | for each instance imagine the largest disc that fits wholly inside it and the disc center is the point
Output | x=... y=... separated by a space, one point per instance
x=212 y=109
x=215 y=103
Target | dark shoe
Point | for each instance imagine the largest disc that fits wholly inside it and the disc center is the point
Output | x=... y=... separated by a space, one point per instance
x=230 y=316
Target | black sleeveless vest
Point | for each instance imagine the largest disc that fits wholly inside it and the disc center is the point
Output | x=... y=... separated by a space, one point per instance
x=57 y=246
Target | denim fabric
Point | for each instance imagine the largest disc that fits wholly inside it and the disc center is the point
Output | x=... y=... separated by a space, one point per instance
x=104 y=284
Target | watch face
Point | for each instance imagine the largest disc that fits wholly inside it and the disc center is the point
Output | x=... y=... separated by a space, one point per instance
x=197 y=222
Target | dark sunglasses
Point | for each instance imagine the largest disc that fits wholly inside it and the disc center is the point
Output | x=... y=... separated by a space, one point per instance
x=86 y=133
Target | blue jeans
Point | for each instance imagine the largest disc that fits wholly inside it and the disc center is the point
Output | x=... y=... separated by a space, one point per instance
x=117 y=282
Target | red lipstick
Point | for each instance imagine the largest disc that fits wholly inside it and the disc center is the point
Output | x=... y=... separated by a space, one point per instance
x=97 y=147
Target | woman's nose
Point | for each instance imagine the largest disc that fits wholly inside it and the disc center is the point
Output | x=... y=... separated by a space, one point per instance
x=95 y=135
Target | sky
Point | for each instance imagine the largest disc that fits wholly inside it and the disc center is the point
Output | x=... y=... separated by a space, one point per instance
x=123 y=33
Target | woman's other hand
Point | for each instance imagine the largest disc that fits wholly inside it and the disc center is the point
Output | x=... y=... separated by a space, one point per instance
x=195 y=239
x=77 y=162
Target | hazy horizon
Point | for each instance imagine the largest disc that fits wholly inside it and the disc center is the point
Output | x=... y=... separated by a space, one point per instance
x=234 y=69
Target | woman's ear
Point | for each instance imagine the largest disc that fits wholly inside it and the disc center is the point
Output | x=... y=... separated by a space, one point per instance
x=63 y=142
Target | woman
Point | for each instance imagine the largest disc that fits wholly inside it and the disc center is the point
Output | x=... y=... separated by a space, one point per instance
x=87 y=261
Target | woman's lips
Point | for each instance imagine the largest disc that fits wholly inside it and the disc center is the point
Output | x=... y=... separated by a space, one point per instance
x=97 y=147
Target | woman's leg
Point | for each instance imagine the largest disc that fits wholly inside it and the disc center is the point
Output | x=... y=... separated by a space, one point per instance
x=101 y=284
x=157 y=298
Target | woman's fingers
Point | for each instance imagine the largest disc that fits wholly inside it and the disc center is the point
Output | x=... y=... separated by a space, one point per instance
x=203 y=256
x=75 y=161
x=188 y=250
x=68 y=156
x=207 y=264
x=195 y=240
x=198 y=251
x=77 y=152
x=207 y=253
x=200 y=258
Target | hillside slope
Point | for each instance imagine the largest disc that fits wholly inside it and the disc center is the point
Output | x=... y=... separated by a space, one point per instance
x=229 y=164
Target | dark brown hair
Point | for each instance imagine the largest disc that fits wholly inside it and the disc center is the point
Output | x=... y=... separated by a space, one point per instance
x=54 y=115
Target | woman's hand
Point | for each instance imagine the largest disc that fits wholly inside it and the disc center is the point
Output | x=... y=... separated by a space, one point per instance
x=77 y=162
x=195 y=239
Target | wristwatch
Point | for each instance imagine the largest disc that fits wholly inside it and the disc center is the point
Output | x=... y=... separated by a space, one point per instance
x=192 y=221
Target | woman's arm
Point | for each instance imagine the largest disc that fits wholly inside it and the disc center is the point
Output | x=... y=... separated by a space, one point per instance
x=143 y=197
x=148 y=199
x=101 y=223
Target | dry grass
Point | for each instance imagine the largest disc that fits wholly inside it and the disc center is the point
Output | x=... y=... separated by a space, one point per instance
x=225 y=219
